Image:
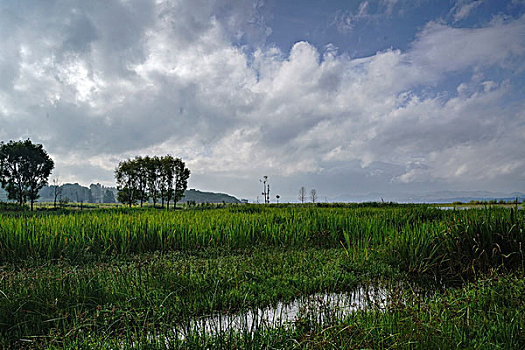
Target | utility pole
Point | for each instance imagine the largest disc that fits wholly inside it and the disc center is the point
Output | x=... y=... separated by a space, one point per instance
x=266 y=189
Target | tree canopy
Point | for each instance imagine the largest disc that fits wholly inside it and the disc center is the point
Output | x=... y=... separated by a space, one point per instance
x=24 y=170
x=156 y=178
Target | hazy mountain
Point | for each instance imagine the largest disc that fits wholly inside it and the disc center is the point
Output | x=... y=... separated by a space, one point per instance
x=208 y=197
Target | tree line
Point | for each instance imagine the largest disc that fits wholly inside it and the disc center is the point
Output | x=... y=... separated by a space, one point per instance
x=25 y=168
x=161 y=179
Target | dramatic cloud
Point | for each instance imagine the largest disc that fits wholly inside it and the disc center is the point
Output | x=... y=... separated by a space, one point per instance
x=97 y=82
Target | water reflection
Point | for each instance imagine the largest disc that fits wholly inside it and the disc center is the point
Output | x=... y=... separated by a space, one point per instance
x=317 y=307
x=459 y=207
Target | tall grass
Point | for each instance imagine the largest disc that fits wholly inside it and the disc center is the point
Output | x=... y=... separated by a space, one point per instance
x=74 y=235
x=127 y=273
x=463 y=244
x=418 y=239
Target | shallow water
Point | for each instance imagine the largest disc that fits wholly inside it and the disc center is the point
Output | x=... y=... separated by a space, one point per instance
x=448 y=207
x=453 y=208
x=318 y=307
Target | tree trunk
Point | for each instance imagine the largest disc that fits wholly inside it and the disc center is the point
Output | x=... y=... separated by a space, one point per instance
x=20 y=198
x=31 y=204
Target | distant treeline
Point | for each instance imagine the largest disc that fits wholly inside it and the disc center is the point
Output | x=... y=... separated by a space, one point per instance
x=97 y=193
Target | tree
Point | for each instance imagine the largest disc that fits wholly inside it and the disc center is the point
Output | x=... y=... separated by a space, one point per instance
x=151 y=177
x=181 y=176
x=140 y=166
x=24 y=170
x=313 y=195
x=126 y=176
x=302 y=194
x=167 y=177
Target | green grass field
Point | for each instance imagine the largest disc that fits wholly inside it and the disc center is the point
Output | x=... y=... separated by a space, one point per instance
x=121 y=278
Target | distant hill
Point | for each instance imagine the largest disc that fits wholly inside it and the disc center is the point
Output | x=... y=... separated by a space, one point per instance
x=97 y=193
x=208 y=197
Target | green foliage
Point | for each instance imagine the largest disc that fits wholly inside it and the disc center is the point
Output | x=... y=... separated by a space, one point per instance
x=147 y=177
x=24 y=170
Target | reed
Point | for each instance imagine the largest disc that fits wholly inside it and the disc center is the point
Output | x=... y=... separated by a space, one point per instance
x=461 y=245
x=118 y=277
x=76 y=234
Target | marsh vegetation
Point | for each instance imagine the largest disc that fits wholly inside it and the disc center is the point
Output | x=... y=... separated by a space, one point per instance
x=143 y=278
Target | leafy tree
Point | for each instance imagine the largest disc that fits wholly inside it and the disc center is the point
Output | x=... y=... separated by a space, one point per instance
x=24 y=170
x=167 y=175
x=151 y=177
x=127 y=177
x=153 y=167
x=182 y=175
x=141 y=172
x=174 y=179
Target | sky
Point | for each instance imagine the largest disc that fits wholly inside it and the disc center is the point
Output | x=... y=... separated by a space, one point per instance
x=346 y=97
